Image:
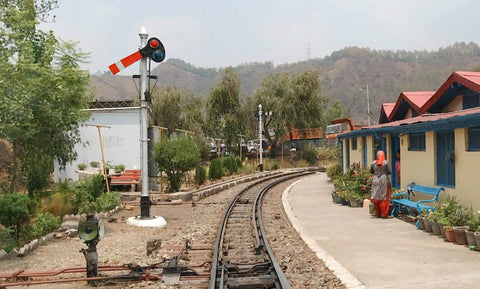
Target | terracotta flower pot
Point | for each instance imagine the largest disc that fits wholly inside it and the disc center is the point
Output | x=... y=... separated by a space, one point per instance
x=449 y=234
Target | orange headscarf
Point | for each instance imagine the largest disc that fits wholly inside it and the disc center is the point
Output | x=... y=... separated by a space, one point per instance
x=380 y=158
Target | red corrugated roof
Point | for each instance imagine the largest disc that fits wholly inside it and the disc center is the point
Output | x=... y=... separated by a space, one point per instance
x=388 y=108
x=468 y=79
x=310 y=133
x=385 y=112
x=416 y=100
x=426 y=118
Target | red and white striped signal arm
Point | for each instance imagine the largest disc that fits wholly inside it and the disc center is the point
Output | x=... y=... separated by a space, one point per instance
x=125 y=62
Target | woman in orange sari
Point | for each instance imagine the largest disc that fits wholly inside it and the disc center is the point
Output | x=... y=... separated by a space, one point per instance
x=381 y=188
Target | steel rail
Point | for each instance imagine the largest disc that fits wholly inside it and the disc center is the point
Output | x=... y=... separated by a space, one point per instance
x=262 y=243
x=261 y=236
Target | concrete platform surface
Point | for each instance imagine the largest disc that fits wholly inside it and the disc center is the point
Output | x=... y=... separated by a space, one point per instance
x=366 y=252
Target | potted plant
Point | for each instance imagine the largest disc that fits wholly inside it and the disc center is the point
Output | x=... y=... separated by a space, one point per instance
x=459 y=220
x=119 y=168
x=433 y=217
x=450 y=206
x=421 y=221
x=427 y=221
x=473 y=224
x=94 y=164
x=444 y=223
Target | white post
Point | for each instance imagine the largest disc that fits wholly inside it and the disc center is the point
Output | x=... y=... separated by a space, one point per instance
x=144 y=199
x=368 y=107
x=260 y=148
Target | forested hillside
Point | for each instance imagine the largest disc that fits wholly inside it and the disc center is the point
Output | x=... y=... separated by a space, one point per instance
x=344 y=74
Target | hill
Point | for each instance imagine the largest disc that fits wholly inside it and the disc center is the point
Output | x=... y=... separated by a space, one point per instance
x=344 y=75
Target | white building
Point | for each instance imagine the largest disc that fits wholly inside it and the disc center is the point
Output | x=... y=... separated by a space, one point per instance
x=121 y=142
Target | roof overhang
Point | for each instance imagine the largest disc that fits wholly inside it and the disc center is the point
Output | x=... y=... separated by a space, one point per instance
x=423 y=123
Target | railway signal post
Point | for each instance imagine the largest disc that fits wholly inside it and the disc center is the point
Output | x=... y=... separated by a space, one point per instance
x=151 y=49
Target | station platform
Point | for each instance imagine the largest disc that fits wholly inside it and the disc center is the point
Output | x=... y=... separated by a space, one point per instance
x=367 y=252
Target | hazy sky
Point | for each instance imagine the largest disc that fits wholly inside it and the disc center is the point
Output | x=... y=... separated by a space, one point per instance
x=213 y=33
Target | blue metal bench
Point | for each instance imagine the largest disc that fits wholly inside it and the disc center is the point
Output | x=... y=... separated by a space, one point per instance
x=405 y=203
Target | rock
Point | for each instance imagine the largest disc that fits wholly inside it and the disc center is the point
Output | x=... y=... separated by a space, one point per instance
x=60 y=235
x=72 y=232
x=22 y=251
x=12 y=254
x=3 y=254
x=33 y=244
x=70 y=225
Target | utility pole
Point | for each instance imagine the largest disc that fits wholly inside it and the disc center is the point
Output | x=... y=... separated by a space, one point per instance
x=105 y=174
x=369 y=113
x=368 y=107
x=145 y=202
x=260 y=148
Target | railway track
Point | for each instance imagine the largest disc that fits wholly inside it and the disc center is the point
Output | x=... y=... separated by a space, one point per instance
x=242 y=256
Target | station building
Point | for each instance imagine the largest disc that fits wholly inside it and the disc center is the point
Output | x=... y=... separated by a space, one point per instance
x=437 y=134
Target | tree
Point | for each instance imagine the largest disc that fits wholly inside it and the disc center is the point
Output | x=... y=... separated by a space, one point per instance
x=174 y=108
x=274 y=88
x=15 y=212
x=222 y=108
x=175 y=157
x=42 y=93
x=296 y=102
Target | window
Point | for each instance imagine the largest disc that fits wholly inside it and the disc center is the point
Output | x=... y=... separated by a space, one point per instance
x=416 y=142
x=354 y=143
x=474 y=138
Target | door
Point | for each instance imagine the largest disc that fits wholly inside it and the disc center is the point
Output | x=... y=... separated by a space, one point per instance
x=347 y=153
x=445 y=157
x=364 y=149
x=394 y=158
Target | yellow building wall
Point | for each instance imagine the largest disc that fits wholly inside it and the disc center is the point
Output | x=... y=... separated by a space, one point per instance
x=369 y=150
x=418 y=166
x=467 y=172
x=345 y=145
x=356 y=155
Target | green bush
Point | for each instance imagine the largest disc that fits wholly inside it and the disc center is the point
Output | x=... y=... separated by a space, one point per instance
x=200 y=175
x=84 y=203
x=176 y=157
x=7 y=242
x=107 y=201
x=93 y=185
x=230 y=164
x=94 y=164
x=15 y=212
x=215 y=170
x=334 y=171
x=119 y=168
x=274 y=165
x=45 y=223
x=310 y=154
